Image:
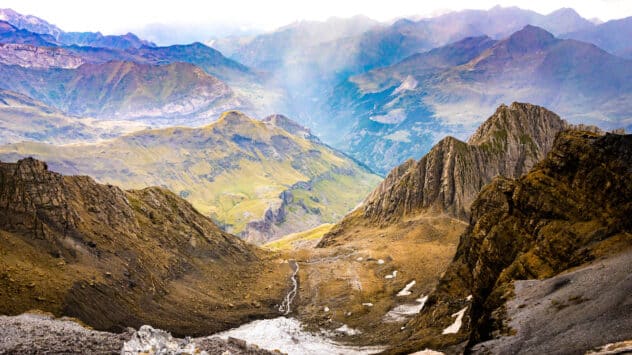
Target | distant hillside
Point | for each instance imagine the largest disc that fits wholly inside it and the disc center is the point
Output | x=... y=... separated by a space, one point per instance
x=30 y=23
x=258 y=179
x=124 y=90
x=397 y=112
x=117 y=259
x=613 y=36
x=24 y=119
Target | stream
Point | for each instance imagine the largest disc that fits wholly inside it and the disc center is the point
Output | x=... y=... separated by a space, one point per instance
x=286 y=305
x=287 y=334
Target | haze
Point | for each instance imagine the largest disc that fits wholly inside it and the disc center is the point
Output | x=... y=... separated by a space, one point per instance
x=215 y=19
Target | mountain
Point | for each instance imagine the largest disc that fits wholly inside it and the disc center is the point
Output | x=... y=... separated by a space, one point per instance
x=30 y=23
x=36 y=25
x=258 y=179
x=11 y=34
x=115 y=258
x=30 y=56
x=374 y=268
x=612 y=36
x=544 y=261
x=25 y=119
x=96 y=39
x=127 y=90
x=392 y=113
x=449 y=177
x=273 y=50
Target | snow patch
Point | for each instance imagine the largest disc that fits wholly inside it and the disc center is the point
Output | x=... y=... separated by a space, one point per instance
x=454 y=327
x=407 y=84
x=380 y=261
x=368 y=304
x=325 y=309
x=345 y=329
x=401 y=312
x=427 y=352
x=287 y=335
x=406 y=290
x=148 y=340
x=391 y=276
x=468 y=298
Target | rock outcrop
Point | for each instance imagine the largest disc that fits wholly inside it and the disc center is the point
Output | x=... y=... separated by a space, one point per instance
x=448 y=178
x=115 y=258
x=31 y=333
x=573 y=208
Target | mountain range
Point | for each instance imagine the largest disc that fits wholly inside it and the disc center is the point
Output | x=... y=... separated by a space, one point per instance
x=404 y=209
x=258 y=179
x=397 y=111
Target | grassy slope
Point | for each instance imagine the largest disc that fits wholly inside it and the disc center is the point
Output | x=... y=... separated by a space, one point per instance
x=291 y=241
x=233 y=170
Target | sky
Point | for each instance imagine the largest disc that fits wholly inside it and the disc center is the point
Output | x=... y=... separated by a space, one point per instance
x=121 y=16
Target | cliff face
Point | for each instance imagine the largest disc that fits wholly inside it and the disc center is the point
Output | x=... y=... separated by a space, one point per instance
x=115 y=258
x=571 y=209
x=448 y=178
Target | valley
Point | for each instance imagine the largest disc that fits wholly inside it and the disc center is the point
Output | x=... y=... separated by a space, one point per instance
x=458 y=182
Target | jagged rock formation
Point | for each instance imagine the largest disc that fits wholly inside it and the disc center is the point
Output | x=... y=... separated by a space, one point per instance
x=448 y=178
x=573 y=208
x=115 y=258
x=257 y=179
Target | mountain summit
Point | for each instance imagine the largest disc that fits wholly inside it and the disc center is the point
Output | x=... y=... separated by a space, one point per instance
x=448 y=178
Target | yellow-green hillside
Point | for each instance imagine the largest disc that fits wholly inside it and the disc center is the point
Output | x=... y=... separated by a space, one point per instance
x=258 y=179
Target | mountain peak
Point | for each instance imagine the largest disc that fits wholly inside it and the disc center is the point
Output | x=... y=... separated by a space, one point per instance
x=289 y=125
x=514 y=138
x=518 y=120
x=530 y=38
x=234 y=118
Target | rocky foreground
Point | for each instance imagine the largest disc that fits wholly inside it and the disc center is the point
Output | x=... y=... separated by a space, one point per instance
x=43 y=334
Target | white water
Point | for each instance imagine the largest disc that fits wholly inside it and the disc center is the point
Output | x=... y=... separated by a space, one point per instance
x=287 y=335
x=286 y=305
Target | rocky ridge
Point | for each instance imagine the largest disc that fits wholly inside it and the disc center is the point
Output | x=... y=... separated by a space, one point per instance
x=571 y=209
x=448 y=178
x=115 y=258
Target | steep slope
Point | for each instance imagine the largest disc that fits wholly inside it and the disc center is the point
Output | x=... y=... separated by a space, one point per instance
x=115 y=258
x=566 y=217
x=448 y=178
x=260 y=180
x=30 y=56
x=397 y=112
x=125 y=90
x=25 y=119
